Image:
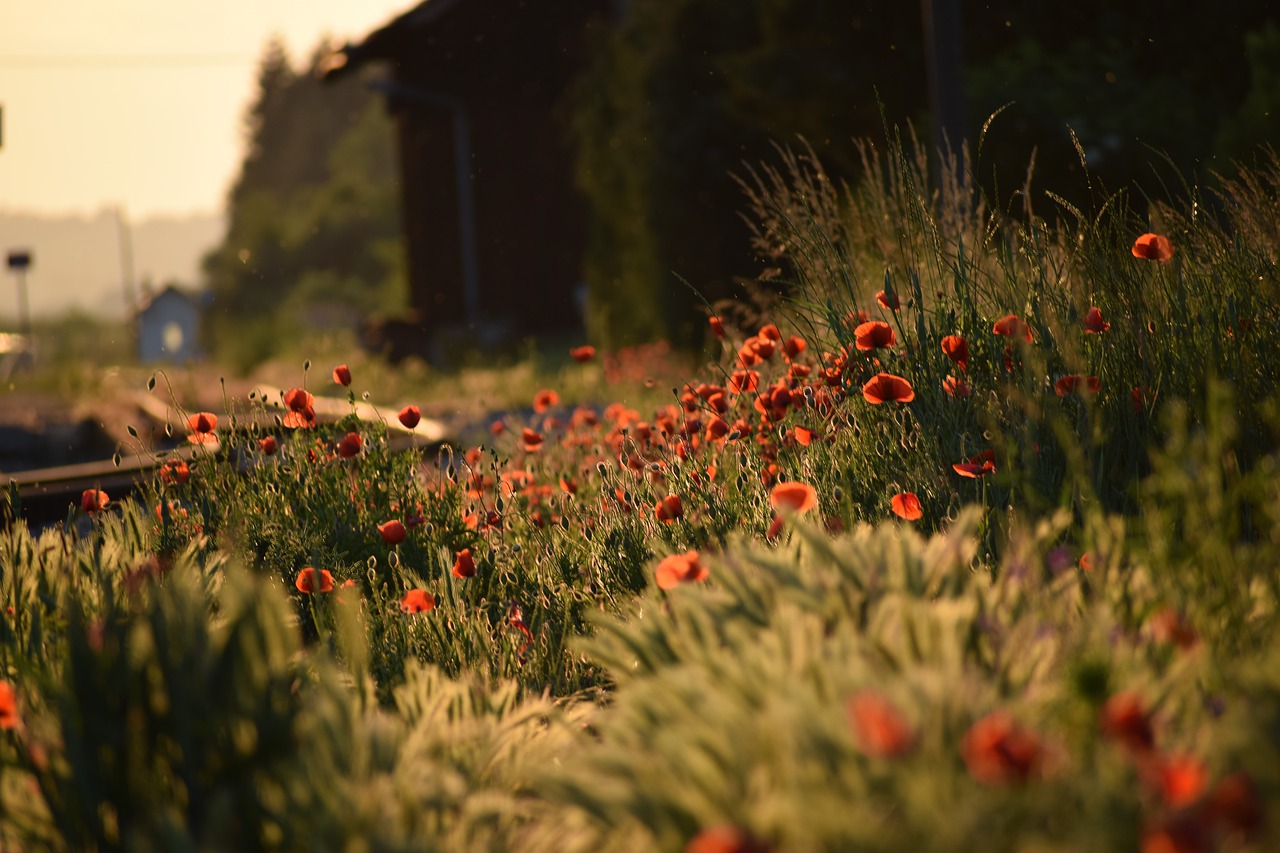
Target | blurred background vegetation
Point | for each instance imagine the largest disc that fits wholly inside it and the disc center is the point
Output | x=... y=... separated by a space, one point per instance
x=682 y=95
x=313 y=235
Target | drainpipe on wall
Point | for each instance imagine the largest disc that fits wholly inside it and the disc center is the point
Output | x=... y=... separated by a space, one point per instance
x=462 y=168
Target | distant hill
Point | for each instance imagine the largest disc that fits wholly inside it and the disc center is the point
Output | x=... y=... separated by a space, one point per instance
x=76 y=259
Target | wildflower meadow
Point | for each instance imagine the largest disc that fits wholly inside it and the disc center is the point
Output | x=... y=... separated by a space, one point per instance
x=971 y=541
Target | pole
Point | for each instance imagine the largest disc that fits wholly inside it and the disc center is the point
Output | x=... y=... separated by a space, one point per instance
x=125 y=239
x=24 y=314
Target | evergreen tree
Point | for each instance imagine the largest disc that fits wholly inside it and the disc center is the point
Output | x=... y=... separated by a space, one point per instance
x=312 y=218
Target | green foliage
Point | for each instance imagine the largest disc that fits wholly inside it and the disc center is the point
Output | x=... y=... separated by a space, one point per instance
x=682 y=94
x=816 y=679
x=1127 y=83
x=1258 y=122
x=958 y=266
x=314 y=228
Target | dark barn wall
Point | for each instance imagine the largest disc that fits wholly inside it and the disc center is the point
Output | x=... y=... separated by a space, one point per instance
x=530 y=216
x=506 y=65
x=430 y=204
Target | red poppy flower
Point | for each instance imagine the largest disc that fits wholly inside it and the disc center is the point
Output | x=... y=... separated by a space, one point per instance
x=1180 y=780
x=1075 y=383
x=906 y=506
x=669 y=509
x=1181 y=832
x=1013 y=327
x=1093 y=322
x=804 y=435
x=725 y=839
x=417 y=601
x=393 y=531
x=779 y=398
x=957 y=349
x=1153 y=247
x=342 y=375
x=717 y=327
x=582 y=354
x=350 y=445
x=301 y=405
x=1170 y=626
x=680 y=569
x=793 y=346
x=202 y=425
x=268 y=445
x=1138 y=396
x=310 y=581
x=531 y=441
x=956 y=387
x=717 y=428
x=298 y=399
x=978 y=465
x=94 y=500
x=409 y=416
x=8 y=706
x=879 y=727
x=464 y=565
x=770 y=332
x=885 y=387
x=1234 y=805
x=888 y=300
x=744 y=381
x=175 y=472
x=763 y=348
x=998 y=750
x=797 y=498
x=1125 y=721
x=545 y=399
x=874 y=335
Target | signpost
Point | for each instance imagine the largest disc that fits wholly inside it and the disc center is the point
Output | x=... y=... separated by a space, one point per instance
x=19 y=263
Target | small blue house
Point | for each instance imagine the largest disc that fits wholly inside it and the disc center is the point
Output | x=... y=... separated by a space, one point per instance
x=168 y=325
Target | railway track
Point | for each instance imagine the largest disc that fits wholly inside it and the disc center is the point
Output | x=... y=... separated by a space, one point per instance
x=45 y=496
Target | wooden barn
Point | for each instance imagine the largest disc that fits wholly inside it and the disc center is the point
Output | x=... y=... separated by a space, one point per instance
x=493 y=224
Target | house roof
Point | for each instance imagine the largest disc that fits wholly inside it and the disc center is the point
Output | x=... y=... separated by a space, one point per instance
x=169 y=291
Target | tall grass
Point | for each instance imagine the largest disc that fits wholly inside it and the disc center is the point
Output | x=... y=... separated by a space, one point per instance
x=1071 y=649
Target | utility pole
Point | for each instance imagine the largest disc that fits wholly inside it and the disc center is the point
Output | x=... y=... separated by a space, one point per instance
x=125 y=239
x=19 y=263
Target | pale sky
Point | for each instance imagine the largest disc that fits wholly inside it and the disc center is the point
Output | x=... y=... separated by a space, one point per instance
x=140 y=103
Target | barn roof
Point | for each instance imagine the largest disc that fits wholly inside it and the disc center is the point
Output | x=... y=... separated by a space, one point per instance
x=483 y=32
x=386 y=42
